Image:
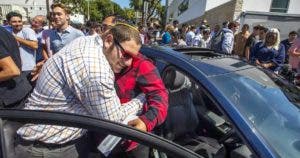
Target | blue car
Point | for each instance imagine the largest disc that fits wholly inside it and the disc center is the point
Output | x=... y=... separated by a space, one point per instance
x=221 y=106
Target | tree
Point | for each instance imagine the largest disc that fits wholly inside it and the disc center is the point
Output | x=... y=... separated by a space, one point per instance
x=154 y=8
x=98 y=9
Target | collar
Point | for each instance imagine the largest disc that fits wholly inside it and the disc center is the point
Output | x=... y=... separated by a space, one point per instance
x=67 y=30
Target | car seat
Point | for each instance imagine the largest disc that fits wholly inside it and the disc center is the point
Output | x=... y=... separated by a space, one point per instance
x=182 y=117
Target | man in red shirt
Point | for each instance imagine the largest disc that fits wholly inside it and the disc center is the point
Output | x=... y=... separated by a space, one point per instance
x=141 y=77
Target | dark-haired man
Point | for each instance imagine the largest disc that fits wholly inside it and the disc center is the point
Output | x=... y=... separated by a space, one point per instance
x=63 y=32
x=27 y=41
x=251 y=41
x=287 y=43
x=141 y=77
x=80 y=79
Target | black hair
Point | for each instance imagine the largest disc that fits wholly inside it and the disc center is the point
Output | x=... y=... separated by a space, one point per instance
x=293 y=33
x=12 y=14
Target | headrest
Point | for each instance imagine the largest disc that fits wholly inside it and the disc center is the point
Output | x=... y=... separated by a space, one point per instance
x=175 y=80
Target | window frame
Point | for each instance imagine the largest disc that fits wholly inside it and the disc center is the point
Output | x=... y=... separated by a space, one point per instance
x=280 y=10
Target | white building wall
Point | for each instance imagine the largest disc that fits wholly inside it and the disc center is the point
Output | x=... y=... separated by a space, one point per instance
x=33 y=7
x=215 y=3
x=265 y=6
x=257 y=5
x=294 y=7
x=195 y=9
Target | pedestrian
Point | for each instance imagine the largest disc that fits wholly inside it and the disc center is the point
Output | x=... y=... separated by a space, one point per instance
x=63 y=33
x=37 y=24
x=294 y=55
x=27 y=41
x=141 y=77
x=251 y=41
x=287 y=43
x=240 y=41
x=270 y=53
x=14 y=87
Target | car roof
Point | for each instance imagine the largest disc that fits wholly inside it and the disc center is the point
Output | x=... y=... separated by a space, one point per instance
x=212 y=63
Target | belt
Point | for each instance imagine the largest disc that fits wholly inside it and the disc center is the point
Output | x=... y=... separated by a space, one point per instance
x=40 y=144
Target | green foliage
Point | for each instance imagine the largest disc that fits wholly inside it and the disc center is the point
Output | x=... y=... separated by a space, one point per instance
x=99 y=9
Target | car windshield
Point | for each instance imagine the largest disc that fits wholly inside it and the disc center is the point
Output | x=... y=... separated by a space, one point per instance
x=268 y=103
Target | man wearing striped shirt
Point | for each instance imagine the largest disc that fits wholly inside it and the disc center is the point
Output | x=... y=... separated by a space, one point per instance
x=80 y=79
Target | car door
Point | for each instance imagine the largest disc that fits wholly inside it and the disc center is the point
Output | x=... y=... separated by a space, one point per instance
x=91 y=124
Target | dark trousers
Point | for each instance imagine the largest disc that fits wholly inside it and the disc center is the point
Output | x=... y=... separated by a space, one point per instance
x=30 y=149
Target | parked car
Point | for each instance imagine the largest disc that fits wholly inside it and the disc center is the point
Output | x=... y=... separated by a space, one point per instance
x=219 y=106
x=243 y=110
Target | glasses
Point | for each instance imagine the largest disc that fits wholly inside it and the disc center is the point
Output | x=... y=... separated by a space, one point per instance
x=125 y=54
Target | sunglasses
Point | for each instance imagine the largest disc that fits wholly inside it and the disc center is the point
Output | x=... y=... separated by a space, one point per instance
x=125 y=54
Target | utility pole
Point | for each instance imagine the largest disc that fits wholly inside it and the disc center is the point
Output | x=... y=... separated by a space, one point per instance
x=143 y=12
x=166 y=12
x=88 y=9
x=48 y=11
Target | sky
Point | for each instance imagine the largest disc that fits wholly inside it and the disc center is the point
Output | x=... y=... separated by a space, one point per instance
x=125 y=3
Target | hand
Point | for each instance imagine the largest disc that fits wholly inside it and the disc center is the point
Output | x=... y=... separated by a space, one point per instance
x=36 y=70
x=257 y=62
x=138 y=124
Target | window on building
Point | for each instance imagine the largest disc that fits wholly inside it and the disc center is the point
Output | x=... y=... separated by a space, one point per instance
x=280 y=6
x=41 y=8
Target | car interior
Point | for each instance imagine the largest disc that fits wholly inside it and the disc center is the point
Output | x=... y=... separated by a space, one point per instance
x=195 y=122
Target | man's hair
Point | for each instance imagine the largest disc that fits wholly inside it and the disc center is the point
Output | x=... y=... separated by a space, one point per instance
x=43 y=19
x=262 y=28
x=175 y=22
x=233 y=24
x=115 y=18
x=124 y=32
x=12 y=14
x=293 y=33
x=92 y=24
x=246 y=26
x=62 y=6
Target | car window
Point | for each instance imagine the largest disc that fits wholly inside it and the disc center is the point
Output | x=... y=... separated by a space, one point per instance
x=266 y=106
x=194 y=119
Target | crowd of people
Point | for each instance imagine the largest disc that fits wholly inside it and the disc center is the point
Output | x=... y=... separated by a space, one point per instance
x=100 y=74
x=262 y=47
x=97 y=70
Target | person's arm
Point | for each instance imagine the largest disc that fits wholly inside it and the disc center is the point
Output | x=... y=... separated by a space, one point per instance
x=8 y=68
x=28 y=43
x=278 y=59
x=151 y=84
x=247 y=53
x=295 y=48
x=101 y=99
x=44 y=52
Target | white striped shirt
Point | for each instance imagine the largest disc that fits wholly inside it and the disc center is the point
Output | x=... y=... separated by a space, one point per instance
x=78 y=79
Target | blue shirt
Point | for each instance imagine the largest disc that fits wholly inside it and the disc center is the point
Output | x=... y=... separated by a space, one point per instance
x=39 y=51
x=59 y=39
x=267 y=55
x=27 y=54
x=166 y=38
